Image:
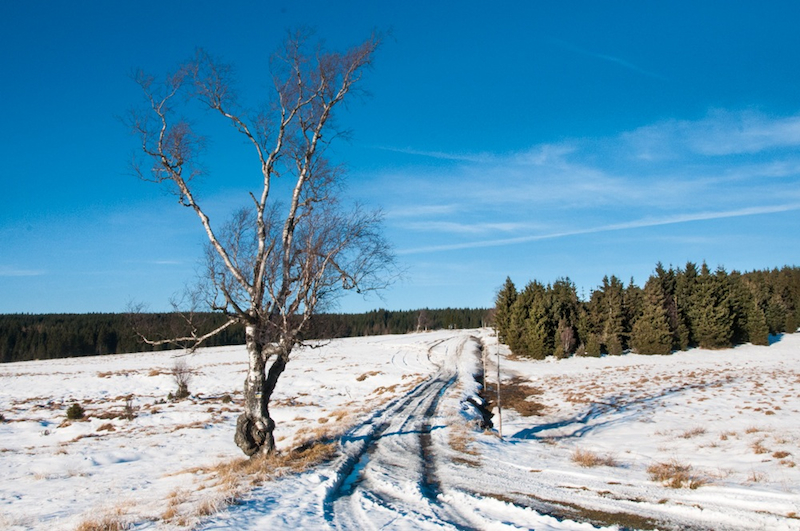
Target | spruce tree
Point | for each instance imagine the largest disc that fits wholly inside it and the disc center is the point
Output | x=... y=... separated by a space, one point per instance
x=614 y=318
x=520 y=313
x=757 y=329
x=651 y=333
x=713 y=326
x=503 y=302
x=685 y=283
x=538 y=335
x=564 y=308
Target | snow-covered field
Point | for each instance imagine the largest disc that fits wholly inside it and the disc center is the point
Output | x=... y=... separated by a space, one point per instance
x=723 y=427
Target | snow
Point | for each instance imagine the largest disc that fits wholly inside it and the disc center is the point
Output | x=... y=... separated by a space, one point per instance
x=410 y=451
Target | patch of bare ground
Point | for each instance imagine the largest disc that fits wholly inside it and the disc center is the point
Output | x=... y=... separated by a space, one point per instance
x=515 y=394
x=562 y=510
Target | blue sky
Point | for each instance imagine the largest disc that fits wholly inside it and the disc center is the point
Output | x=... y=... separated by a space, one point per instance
x=526 y=139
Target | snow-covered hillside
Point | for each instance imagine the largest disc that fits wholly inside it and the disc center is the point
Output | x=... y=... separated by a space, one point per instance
x=409 y=452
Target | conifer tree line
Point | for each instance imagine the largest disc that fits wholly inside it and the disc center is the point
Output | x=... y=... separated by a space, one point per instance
x=26 y=337
x=677 y=308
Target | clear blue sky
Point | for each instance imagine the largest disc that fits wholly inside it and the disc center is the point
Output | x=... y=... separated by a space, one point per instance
x=526 y=139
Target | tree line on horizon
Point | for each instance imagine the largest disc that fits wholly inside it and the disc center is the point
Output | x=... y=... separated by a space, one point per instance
x=678 y=308
x=25 y=337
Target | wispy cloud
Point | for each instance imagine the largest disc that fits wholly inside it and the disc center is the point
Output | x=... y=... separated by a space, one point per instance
x=611 y=59
x=15 y=272
x=464 y=228
x=443 y=155
x=720 y=133
x=422 y=210
x=635 y=224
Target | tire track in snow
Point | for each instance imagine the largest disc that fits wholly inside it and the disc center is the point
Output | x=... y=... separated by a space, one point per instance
x=390 y=476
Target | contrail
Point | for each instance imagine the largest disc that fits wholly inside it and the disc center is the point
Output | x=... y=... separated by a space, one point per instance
x=636 y=224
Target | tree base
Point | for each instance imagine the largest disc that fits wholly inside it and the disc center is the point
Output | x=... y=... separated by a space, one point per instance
x=254 y=436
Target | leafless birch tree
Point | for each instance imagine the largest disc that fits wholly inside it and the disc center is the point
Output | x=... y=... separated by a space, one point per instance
x=278 y=261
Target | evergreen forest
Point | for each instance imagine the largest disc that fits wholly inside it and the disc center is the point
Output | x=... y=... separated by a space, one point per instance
x=677 y=308
x=26 y=337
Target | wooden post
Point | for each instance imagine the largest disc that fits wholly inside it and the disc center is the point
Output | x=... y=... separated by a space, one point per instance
x=499 y=409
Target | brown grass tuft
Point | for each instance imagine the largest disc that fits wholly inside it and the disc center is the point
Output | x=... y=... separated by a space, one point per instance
x=105 y=523
x=694 y=432
x=587 y=459
x=675 y=475
x=759 y=448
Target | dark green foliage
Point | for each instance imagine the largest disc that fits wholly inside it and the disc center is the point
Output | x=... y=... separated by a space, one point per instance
x=678 y=309
x=613 y=316
x=522 y=320
x=75 y=412
x=651 y=332
x=26 y=337
x=564 y=310
x=685 y=283
x=503 y=302
x=757 y=329
x=537 y=337
x=711 y=312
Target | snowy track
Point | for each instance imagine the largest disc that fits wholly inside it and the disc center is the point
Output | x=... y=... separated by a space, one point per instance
x=391 y=477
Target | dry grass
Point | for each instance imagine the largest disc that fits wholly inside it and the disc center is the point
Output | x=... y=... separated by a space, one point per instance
x=756 y=477
x=675 y=475
x=367 y=375
x=227 y=481
x=111 y=521
x=588 y=459
x=759 y=448
x=694 y=432
x=105 y=523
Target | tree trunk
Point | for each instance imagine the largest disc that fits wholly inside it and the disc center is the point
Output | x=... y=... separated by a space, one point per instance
x=254 y=427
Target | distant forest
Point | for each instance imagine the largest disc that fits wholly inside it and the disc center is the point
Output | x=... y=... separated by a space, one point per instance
x=677 y=309
x=26 y=337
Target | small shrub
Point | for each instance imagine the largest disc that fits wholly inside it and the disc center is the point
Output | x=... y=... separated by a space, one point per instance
x=2 y=418
x=75 y=412
x=226 y=399
x=182 y=375
x=129 y=413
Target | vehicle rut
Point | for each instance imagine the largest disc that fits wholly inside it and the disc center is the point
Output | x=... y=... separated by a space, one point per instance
x=390 y=477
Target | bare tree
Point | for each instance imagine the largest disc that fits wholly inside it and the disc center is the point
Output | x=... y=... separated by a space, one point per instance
x=275 y=263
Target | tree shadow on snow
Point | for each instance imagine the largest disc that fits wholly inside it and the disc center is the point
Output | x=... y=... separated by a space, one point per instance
x=592 y=418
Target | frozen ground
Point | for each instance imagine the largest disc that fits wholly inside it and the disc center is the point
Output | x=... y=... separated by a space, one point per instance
x=724 y=426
